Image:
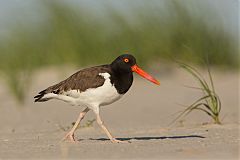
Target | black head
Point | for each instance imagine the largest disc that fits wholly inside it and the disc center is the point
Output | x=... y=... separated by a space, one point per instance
x=126 y=64
x=123 y=63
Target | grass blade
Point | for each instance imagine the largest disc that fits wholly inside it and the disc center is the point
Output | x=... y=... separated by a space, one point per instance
x=210 y=100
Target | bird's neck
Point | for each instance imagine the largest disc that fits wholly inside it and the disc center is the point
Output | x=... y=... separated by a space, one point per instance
x=122 y=81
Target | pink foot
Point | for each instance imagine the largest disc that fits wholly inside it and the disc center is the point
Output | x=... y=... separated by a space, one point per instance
x=114 y=140
x=70 y=137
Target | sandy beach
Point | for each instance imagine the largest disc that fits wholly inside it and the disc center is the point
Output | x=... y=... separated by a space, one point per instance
x=142 y=116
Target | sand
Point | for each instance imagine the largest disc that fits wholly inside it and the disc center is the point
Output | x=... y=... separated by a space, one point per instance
x=142 y=116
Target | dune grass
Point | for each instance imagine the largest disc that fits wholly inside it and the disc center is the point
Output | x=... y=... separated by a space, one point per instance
x=209 y=103
x=71 y=35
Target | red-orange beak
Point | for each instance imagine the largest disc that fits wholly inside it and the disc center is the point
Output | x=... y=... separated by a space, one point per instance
x=142 y=73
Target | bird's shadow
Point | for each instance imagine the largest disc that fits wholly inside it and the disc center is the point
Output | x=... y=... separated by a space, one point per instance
x=145 y=138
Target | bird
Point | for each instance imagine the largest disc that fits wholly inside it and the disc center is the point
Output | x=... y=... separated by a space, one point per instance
x=95 y=87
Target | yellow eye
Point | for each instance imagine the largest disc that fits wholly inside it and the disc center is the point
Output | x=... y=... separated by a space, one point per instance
x=126 y=60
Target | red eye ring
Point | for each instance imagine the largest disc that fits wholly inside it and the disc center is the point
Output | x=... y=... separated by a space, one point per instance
x=126 y=60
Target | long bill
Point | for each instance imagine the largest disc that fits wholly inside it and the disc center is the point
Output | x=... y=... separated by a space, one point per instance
x=144 y=74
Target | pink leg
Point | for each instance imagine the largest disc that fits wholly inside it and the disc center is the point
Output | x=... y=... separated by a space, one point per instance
x=112 y=139
x=70 y=134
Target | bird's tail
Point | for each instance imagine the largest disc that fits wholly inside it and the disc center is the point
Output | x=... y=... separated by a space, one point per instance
x=40 y=97
x=49 y=93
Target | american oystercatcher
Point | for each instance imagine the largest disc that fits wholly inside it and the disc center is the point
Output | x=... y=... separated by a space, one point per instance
x=94 y=87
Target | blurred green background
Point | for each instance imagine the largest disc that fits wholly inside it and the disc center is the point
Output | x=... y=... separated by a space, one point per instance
x=52 y=33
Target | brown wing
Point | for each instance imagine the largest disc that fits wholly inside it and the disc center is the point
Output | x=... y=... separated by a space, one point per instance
x=81 y=80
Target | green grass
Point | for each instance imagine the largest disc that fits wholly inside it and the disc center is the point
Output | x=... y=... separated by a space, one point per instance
x=80 y=37
x=209 y=103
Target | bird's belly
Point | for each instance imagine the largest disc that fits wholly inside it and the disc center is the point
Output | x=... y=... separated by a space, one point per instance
x=100 y=96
